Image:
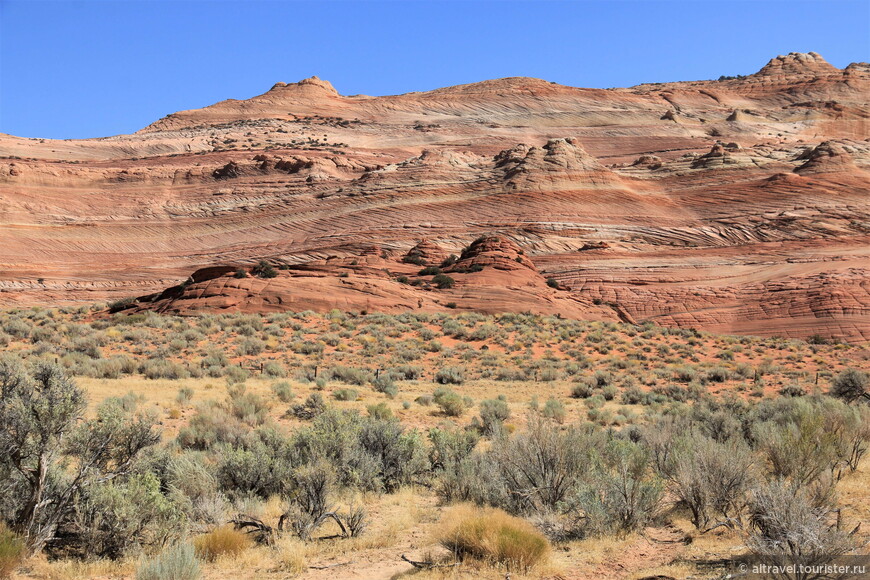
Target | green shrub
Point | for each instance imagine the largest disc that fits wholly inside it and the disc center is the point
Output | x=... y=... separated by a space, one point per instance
x=710 y=478
x=537 y=469
x=107 y=368
x=429 y=271
x=380 y=411
x=258 y=467
x=365 y=452
x=718 y=374
x=622 y=495
x=121 y=304
x=595 y=401
x=210 y=426
x=350 y=376
x=308 y=506
x=236 y=374
x=792 y=390
x=250 y=347
x=194 y=486
x=345 y=395
x=450 y=376
x=163 y=369
x=685 y=374
x=493 y=413
x=178 y=562
x=602 y=378
x=249 y=408
x=443 y=281
x=384 y=384
x=798 y=441
x=449 y=261
x=451 y=404
x=790 y=525
x=510 y=374
x=307 y=347
x=554 y=409
x=274 y=370
x=264 y=270
x=42 y=431
x=311 y=408
x=405 y=373
x=283 y=391
x=851 y=385
x=184 y=396
x=116 y=517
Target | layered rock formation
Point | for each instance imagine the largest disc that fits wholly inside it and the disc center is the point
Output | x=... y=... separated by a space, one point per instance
x=739 y=205
x=491 y=276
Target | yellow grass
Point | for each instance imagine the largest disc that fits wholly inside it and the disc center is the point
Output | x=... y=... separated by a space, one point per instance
x=160 y=395
x=40 y=567
x=11 y=551
x=224 y=542
x=291 y=556
x=493 y=536
x=852 y=490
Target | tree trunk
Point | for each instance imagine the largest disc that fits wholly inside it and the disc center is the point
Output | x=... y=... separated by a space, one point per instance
x=26 y=522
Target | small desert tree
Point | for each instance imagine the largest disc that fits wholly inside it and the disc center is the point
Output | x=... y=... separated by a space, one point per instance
x=708 y=477
x=799 y=445
x=630 y=493
x=619 y=494
x=851 y=385
x=49 y=455
x=264 y=270
x=540 y=467
x=791 y=524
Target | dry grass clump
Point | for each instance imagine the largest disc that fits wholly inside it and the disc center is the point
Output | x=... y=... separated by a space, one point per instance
x=39 y=566
x=223 y=541
x=292 y=556
x=494 y=536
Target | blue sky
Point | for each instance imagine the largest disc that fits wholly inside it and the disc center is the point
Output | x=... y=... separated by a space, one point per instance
x=75 y=69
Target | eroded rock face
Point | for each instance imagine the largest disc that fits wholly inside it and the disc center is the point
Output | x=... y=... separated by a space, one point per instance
x=827 y=157
x=492 y=276
x=559 y=164
x=739 y=205
x=426 y=253
x=493 y=252
x=797 y=65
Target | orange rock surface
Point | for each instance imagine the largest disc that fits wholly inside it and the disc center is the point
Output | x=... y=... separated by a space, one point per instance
x=492 y=276
x=738 y=205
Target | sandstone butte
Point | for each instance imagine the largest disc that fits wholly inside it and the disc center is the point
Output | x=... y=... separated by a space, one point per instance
x=738 y=205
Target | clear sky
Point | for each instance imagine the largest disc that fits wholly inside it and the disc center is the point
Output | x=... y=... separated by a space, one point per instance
x=74 y=69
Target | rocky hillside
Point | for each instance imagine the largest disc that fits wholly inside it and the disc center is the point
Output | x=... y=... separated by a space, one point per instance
x=492 y=275
x=738 y=205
